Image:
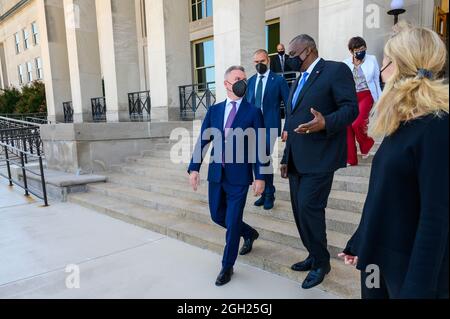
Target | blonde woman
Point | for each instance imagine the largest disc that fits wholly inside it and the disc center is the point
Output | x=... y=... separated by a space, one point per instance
x=404 y=228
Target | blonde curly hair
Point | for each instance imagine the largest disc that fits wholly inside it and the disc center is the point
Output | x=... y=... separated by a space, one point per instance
x=418 y=55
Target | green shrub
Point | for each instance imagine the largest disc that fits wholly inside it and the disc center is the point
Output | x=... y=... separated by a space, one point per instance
x=8 y=100
x=31 y=99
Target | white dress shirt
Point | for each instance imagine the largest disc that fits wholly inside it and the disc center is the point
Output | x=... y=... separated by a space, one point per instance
x=228 y=108
x=311 y=68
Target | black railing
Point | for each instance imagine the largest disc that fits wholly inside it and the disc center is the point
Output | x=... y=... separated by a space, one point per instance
x=68 y=112
x=193 y=97
x=98 y=109
x=290 y=77
x=37 y=118
x=19 y=147
x=139 y=105
x=27 y=139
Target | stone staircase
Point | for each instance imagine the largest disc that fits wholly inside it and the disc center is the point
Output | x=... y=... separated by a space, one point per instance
x=152 y=192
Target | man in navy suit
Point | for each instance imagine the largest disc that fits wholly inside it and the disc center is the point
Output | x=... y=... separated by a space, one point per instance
x=234 y=161
x=267 y=90
x=322 y=104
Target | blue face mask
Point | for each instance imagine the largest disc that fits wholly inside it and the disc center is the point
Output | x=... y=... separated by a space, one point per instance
x=360 y=55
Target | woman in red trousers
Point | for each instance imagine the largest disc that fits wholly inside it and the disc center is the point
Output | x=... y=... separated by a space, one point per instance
x=366 y=73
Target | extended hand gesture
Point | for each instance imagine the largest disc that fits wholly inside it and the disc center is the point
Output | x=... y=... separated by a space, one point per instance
x=316 y=125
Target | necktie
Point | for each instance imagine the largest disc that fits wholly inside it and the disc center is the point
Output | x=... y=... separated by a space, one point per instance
x=228 y=126
x=230 y=119
x=282 y=63
x=299 y=89
x=259 y=92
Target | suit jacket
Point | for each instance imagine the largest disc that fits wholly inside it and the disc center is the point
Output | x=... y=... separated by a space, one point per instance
x=276 y=92
x=275 y=64
x=248 y=117
x=404 y=224
x=330 y=90
x=371 y=70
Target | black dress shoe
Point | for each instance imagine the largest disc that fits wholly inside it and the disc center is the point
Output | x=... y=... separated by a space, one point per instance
x=269 y=202
x=224 y=277
x=248 y=244
x=260 y=202
x=305 y=265
x=316 y=277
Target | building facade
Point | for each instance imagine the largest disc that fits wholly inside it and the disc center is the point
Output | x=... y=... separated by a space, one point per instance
x=106 y=49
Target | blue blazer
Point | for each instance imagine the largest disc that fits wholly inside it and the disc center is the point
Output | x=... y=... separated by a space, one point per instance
x=276 y=92
x=330 y=90
x=248 y=117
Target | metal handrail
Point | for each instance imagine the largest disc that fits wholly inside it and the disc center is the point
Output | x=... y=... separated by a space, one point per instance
x=194 y=96
x=98 y=105
x=7 y=150
x=68 y=112
x=139 y=106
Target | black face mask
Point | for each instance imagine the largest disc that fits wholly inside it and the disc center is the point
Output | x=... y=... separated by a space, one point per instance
x=240 y=88
x=282 y=53
x=261 y=68
x=296 y=64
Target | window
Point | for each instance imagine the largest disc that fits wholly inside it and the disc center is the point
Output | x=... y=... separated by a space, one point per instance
x=30 y=71
x=204 y=70
x=201 y=9
x=272 y=35
x=35 y=32
x=26 y=39
x=17 y=42
x=20 y=71
x=39 y=71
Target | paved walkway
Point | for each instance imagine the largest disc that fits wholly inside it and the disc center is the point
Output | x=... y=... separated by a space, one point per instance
x=115 y=259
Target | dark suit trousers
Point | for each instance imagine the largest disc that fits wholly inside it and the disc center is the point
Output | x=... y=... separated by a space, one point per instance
x=226 y=204
x=309 y=197
x=270 y=190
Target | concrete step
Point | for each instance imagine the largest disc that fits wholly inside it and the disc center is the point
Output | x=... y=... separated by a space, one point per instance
x=342 y=182
x=339 y=199
x=268 y=255
x=165 y=153
x=362 y=170
x=337 y=220
x=271 y=229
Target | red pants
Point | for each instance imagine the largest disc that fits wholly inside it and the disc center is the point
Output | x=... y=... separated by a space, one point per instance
x=358 y=129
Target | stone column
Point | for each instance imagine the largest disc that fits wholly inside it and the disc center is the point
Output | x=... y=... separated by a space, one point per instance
x=84 y=57
x=116 y=20
x=55 y=62
x=338 y=22
x=169 y=55
x=238 y=33
x=3 y=73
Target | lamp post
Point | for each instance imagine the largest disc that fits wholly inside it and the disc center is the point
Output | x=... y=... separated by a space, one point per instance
x=397 y=8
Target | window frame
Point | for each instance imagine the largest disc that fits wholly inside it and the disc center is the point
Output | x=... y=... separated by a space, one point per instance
x=195 y=68
x=29 y=67
x=204 y=8
x=267 y=25
x=26 y=39
x=20 y=73
x=39 y=69
x=35 y=33
x=17 y=42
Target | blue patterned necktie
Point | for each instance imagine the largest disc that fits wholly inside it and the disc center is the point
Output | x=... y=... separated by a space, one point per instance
x=299 y=89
